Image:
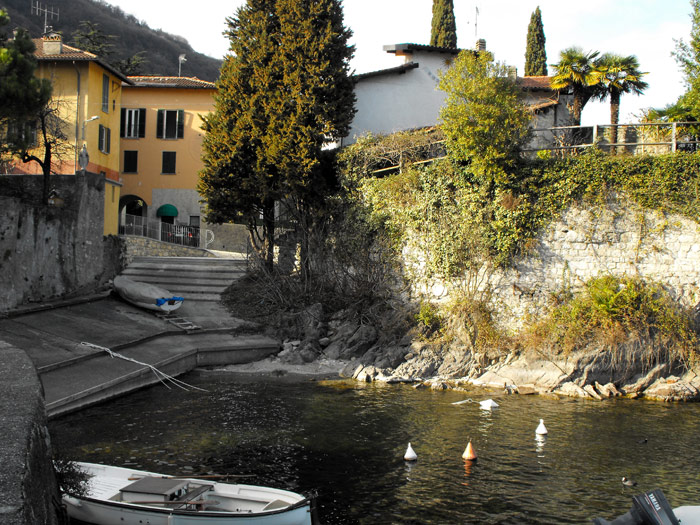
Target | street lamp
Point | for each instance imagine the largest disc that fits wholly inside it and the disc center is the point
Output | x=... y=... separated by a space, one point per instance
x=86 y=121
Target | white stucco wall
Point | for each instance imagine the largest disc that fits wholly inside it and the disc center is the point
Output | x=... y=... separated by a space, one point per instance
x=394 y=102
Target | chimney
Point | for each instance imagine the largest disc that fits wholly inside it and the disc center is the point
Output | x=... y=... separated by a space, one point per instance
x=481 y=45
x=52 y=43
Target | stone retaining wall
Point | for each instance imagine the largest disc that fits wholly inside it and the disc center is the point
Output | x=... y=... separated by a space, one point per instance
x=136 y=246
x=619 y=239
x=53 y=251
x=28 y=490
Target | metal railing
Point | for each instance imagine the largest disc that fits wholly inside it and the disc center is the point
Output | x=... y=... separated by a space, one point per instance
x=646 y=137
x=154 y=229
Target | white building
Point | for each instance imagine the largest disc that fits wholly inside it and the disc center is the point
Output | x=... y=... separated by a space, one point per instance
x=407 y=97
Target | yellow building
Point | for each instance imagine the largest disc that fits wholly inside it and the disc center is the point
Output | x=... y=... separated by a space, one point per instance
x=161 y=143
x=87 y=94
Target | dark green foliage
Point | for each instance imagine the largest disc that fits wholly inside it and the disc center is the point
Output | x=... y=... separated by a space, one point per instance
x=284 y=91
x=22 y=95
x=611 y=311
x=535 y=54
x=72 y=480
x=443 y=29
x=484 y=119
x=24 y=100
x=459 y=225
x=132 y=36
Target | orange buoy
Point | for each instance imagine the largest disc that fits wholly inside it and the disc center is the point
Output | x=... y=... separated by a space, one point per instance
x=469 y=453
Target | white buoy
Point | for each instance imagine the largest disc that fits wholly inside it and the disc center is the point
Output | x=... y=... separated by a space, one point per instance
x=488 y=404
x=541 y=429
x=410 y=454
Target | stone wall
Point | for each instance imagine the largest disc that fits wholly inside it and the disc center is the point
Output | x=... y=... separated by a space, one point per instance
x=57 y=250
x=28 y=488
x=228 y=237
x=618 y=239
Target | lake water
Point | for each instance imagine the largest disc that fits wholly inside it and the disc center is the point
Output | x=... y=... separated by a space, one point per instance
x=346 y=440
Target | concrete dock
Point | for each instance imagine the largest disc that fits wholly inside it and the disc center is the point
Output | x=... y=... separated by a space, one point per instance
x=75 y=375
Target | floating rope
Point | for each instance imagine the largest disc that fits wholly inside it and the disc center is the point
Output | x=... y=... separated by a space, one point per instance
x=162 y=376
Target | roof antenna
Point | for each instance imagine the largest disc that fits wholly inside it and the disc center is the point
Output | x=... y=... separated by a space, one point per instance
x=38 y=10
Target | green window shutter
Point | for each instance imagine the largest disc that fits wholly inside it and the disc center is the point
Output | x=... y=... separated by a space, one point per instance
x=159 y=124
x=142 y=123
x=180 y=123
x=108 y=140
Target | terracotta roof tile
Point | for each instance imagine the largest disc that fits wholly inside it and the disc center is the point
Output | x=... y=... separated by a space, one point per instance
x=170 y=82
x=539 y=82
x=73 y=54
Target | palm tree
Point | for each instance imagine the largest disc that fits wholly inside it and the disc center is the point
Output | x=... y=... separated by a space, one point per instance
x=576 y=70
x=618 y=75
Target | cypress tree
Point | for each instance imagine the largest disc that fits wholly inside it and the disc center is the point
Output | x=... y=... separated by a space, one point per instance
x=284 y=91
x=443 y=31
x=535 y=54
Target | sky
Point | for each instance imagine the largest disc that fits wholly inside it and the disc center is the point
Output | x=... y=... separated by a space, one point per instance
x=644 y=28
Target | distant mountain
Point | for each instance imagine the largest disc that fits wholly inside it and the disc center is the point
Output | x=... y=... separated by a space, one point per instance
x=133 y=36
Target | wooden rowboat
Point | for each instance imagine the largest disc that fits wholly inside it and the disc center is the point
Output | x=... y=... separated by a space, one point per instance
x=122 y=496
x=146 y=295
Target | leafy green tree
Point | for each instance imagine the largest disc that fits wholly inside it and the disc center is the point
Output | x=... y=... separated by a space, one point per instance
x=484 y=119
x=284 y=92
x=618 y=76
x=577 y=70
x=443 y=30
x=24 y=98
x=535 y=54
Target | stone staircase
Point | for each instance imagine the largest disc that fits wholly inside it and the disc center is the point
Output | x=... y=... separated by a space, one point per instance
x=194 y=278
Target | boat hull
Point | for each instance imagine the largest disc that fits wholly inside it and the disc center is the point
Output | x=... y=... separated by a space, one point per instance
x=146 y=295
x=242 y=504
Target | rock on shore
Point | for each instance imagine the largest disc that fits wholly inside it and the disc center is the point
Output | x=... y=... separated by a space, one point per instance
x=350 y=348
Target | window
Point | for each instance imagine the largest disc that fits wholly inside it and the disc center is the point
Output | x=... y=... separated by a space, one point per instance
x=104 y=141
x=105 y=93
x=168 y=163
x=131 y=162
x=133 y=123
x=171 y=124
x=194 y=221
x=21 y=133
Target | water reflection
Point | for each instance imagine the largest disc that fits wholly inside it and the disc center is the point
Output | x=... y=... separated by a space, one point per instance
x=346 y=441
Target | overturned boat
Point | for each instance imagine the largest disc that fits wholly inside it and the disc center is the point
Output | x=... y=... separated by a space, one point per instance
x=146 y=295
x=122 y=496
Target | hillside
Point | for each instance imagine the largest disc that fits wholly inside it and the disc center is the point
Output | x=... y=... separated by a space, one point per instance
x=132 y=36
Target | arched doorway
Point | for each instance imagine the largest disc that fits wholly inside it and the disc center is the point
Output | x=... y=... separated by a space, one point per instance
x=133 y=215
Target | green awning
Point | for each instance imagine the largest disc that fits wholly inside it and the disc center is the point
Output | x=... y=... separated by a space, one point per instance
x=167 y=210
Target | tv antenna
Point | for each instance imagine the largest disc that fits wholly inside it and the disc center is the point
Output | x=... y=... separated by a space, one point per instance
x=47 y=11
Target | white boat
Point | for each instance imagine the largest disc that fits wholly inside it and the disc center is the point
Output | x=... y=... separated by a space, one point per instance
x=146 y=295
x=122 y=496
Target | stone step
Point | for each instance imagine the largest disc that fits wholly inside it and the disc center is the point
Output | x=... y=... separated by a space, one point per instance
x=182 y=278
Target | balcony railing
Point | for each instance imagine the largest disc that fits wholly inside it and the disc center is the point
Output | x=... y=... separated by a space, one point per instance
x=642 y=138
x=154 y=229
